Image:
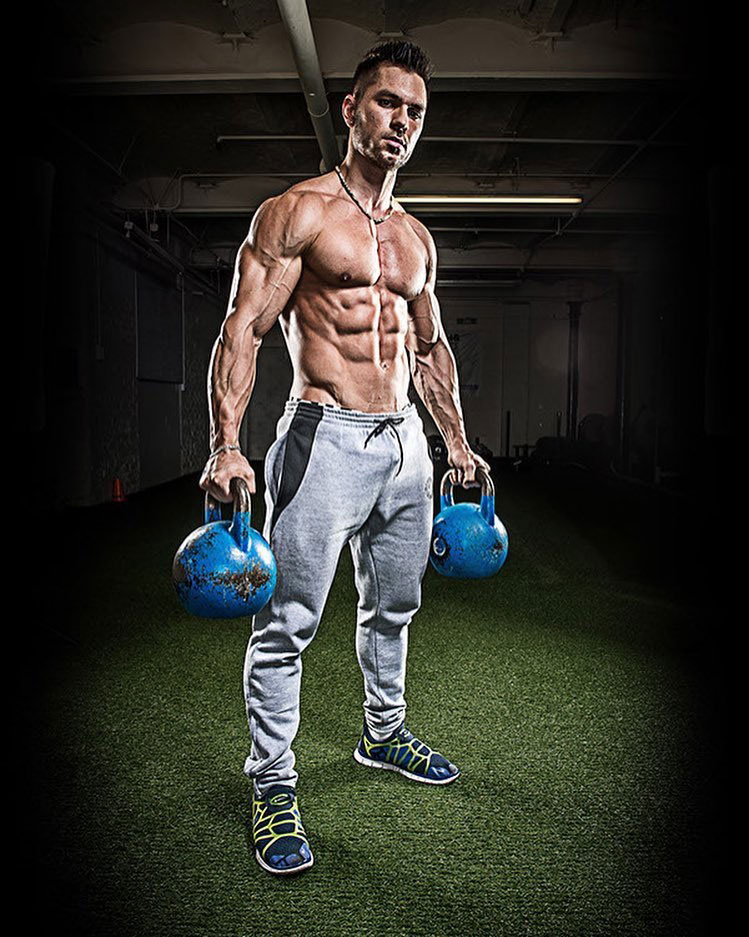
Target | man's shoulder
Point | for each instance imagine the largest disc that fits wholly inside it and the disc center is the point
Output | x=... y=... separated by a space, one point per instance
x=419 y=229
x=302 y=204
x=295 y=216
x=308 y=195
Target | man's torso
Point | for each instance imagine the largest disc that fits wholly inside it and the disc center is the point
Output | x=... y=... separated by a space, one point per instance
x=347 y=321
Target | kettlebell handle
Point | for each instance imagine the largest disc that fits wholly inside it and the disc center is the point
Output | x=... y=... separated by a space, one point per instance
x=240 y=525
x=487 y=493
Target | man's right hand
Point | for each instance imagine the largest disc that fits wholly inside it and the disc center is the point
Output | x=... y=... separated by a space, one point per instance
x=219 y=471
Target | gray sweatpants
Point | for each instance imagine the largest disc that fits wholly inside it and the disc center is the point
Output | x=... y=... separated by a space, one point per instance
x=336 y=476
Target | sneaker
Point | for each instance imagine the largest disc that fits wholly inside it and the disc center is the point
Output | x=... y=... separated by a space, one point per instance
x=281 y=844
x=404 y=753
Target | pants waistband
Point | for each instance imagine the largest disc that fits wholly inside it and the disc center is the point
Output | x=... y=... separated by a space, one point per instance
x=329 y=412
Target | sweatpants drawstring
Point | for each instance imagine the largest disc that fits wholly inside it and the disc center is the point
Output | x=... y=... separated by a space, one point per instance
x=392 y=422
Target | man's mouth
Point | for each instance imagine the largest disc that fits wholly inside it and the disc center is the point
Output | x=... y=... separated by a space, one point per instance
x=398 y=142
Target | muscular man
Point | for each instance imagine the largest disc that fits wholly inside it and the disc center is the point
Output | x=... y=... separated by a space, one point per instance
x=351 y=276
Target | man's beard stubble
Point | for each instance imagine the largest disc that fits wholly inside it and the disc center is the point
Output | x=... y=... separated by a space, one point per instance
x=369 y=147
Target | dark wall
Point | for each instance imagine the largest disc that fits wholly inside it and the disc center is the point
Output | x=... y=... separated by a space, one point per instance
x=92 y=411
x=121 y=344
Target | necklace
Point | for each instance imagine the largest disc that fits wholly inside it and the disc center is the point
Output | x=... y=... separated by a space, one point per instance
x=356 y=202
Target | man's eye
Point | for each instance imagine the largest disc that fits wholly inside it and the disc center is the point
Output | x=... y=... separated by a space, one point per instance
x=416 y=115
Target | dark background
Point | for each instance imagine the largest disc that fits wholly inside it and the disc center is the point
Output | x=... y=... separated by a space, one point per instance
x=94 y=398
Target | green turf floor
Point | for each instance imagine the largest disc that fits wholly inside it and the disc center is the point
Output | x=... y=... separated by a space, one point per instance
x=567 y=688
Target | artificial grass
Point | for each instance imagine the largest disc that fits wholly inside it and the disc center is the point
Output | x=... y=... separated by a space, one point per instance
x=566 y=688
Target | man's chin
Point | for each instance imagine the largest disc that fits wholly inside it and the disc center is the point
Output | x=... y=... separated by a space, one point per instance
x=385 y=159
x=389 y=159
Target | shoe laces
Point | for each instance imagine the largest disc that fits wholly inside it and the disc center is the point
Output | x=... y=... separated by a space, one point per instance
x=404 y=734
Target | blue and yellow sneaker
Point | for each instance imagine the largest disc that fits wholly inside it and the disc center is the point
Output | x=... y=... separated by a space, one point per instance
x=404 y=753
x=281 y=844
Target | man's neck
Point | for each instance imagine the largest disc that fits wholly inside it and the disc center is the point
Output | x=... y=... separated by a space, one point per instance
x=372 y=185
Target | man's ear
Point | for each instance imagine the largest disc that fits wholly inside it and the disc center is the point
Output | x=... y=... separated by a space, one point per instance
x=349 y=105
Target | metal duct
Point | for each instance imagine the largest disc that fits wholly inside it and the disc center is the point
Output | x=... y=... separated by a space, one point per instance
x=299 y=30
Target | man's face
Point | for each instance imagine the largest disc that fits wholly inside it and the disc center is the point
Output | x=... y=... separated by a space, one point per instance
x=389 y=117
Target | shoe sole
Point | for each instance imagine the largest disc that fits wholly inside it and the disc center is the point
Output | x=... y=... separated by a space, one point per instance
x=273 y=871
x=367 y=762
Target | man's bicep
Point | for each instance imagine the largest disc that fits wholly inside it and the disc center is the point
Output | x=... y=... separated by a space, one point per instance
x=264 y=286
x=425 y=324
x=268 y=267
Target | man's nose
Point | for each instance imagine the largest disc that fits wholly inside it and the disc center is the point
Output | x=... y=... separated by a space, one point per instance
x=399 y=119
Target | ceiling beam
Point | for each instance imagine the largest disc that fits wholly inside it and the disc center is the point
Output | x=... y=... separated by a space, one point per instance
x=569 y=141
x=127 y=85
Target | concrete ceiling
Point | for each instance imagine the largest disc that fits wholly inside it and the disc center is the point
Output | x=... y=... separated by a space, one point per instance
x=587 y=97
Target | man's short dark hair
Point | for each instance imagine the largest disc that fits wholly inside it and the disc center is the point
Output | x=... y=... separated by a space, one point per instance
x=393 y=52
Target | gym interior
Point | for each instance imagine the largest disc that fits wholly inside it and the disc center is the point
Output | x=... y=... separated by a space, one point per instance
x=578 y=198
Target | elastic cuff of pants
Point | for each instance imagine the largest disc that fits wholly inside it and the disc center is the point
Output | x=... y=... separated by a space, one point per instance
x=380 y=736
x=262 y=791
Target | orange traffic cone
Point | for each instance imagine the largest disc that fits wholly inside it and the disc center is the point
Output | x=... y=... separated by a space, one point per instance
x=118 y=492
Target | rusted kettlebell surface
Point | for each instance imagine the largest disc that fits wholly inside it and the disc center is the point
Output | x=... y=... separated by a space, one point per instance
x=468 y=540
x=225 y=569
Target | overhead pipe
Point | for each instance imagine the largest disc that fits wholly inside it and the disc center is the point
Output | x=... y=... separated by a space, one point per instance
x=269 y=174
x=295 y=18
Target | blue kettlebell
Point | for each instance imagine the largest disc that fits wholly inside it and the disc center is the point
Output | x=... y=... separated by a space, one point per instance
x=468 y=540
x=225 y=568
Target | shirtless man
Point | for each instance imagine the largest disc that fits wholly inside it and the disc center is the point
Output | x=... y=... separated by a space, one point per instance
x=351 y=276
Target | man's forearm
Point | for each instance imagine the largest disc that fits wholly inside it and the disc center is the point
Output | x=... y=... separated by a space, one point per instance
x=231 y=380
x=435 y=377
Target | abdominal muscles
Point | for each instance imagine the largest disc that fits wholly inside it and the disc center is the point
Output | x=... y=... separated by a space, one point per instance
x=347 y=347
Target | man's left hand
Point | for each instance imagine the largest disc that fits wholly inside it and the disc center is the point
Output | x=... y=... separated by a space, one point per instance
x=465 y=463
